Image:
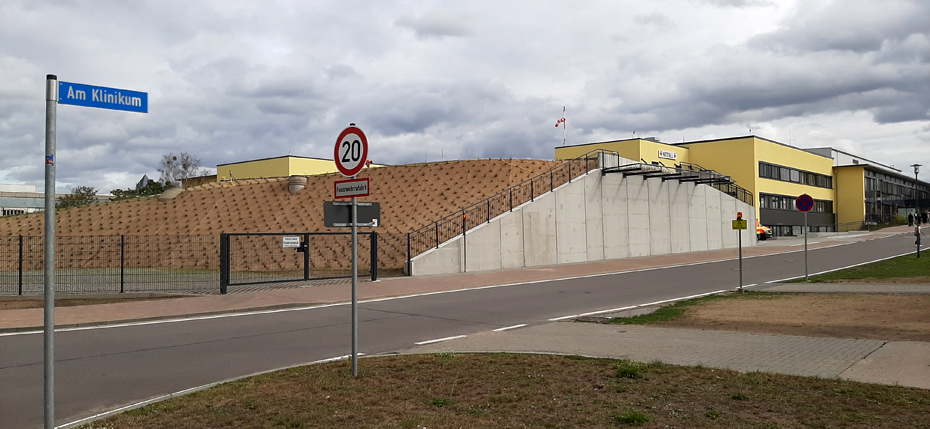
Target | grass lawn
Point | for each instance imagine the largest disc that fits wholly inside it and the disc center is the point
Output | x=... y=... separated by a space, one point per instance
x=534 y=391
x=900 y=267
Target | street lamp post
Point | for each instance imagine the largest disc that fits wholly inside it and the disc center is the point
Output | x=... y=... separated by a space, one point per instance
x=916 y=190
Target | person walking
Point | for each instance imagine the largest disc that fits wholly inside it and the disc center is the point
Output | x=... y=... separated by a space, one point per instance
x=917 y=240
x=910 y=219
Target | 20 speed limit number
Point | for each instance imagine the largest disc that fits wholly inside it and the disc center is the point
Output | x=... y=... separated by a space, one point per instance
x=351 y=151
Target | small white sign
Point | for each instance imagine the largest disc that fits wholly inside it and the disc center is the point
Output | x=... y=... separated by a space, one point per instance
x=290 y=242
x=351 y=188
x=664 y=154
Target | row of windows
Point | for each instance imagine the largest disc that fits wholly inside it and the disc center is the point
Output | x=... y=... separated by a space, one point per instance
x=788 y=174
x=880 y=189
x=11 y=212
x=784 y=202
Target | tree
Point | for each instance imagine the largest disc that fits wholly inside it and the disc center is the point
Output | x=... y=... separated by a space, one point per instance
x=175 y=168
x=150 y=188
x=79 y=196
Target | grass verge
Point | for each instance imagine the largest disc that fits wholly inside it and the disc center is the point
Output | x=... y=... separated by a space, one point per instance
x=678 y=309
x=513 y=390
x=900 y=267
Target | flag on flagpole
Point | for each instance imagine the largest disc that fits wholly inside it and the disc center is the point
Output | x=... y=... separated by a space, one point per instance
x=561 y=122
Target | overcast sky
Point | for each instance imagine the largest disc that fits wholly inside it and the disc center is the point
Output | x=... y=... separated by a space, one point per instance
x=237 y=80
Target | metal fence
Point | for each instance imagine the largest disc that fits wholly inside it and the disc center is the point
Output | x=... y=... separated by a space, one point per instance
x=258 y=258
x=728 y=186
x=455 y=224
x=111 y=264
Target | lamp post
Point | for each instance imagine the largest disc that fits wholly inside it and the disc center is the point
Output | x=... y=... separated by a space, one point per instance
x=917 y=203
x=916 y=190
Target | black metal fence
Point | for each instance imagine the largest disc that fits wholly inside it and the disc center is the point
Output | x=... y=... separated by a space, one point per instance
x=455 y=224
x=258 y=258
x=111 y=264
x=726 y=186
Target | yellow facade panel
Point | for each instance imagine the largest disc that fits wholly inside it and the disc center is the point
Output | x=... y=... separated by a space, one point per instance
x=668 y=155
x=734 y=158
x=850 y=194
x=626 y=148
x=283 y=166
x=309 y=166
x=272 y=167
x=635 y=149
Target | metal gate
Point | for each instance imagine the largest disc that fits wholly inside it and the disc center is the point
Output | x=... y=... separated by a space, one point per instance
x=276 y=257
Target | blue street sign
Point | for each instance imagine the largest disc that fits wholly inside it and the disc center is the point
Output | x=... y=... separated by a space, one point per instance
x=78 y=94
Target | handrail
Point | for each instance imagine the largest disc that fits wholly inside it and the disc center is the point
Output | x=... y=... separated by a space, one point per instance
x=460 y=221
x=724 y=183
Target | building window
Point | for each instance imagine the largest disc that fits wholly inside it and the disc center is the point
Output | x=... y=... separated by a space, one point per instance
x=787 y=174
x=786 y=202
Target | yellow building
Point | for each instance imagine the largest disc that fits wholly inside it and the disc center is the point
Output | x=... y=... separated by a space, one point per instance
x=872 y=192
x=844 y=187
x=282 y=166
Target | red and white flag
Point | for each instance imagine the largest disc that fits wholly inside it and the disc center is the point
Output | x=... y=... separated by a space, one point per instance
x=559 y=122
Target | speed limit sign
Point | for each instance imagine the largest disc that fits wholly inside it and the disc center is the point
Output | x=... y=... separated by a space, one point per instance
x=351 y=151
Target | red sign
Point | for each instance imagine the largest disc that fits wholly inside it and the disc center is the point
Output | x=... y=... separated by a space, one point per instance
x=804 y=203
x=351 y=188
x=351 y=151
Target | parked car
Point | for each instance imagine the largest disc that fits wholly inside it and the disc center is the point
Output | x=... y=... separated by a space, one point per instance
x=763 y=232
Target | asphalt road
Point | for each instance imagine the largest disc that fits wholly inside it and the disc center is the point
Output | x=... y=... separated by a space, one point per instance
x=100 y=369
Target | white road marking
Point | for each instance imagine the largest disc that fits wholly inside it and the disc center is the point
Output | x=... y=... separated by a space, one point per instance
x=614 y=310
x=440 y=340
x=510 y=327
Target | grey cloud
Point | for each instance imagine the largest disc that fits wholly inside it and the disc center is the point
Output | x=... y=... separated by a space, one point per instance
x=736 y=3
x=435 y=25
x=339 y=71
x=656 y=19
x=850 y=25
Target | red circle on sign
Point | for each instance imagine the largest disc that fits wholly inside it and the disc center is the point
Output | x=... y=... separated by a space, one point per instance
x=351 y=151
x=804 y=203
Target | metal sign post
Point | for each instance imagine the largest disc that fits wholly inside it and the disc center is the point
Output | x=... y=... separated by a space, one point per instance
x=350 y=155
x=78 y=95
x=51 y=106
x=805 y=203
x=805 y=248
x=354 y=287
x=739 y=225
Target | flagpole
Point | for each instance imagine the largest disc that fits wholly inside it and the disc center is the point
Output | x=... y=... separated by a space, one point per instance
x=564 y=125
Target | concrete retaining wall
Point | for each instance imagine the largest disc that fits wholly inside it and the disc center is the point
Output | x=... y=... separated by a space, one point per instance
x=593 y=218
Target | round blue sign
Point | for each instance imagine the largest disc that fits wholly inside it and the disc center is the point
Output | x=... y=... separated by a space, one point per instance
x=804 y=203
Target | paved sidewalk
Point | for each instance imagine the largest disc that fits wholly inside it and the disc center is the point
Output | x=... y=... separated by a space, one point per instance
x=102 y=314
x=905 y=363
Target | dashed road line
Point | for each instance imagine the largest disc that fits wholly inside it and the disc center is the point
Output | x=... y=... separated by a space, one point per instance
x=439 y=340
x=614 y=310
x=510 y=327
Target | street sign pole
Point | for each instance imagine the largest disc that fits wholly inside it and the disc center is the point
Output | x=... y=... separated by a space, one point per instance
x=739 y=234
x=739 y=225
x=354 y=287
x=75 y=94
x=51 y=106
x=805 y=248
x=805 y=203
x=350 y=155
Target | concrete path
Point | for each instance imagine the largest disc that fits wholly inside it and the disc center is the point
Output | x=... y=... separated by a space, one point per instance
x=896 y=363
x=904 y=363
